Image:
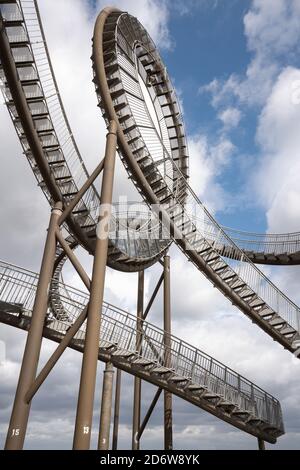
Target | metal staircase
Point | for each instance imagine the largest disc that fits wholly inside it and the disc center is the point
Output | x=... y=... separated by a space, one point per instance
x=32 y=97
x=165 y=184
x=180 y=368
x=268 y=248
x=32 y=79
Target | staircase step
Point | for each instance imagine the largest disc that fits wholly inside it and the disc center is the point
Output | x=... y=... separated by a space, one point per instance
x=277 y=321
x=177 y=378
x=209 y=395
x=212 y=259
x=123 y=353
x=253 y=420
x=195 y=387
x=160 y=370
x=225 y=404
x=248 y=296
x=205 y=250
x=266 y=312
x=288 y=330
x=220 y=269
x=257 y=303
x=142 y=362
x=228 y=278
x=240 y=412
x=106 y=345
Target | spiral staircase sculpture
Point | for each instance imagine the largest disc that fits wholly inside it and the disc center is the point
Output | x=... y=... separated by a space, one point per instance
x=134 y=90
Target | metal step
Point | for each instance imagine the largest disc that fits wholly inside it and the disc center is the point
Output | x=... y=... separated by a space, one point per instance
x=288 y=330
x=277 y=321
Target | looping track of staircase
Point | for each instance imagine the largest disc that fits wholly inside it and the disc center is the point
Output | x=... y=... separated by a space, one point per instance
x=123 y=55
x=164 y=185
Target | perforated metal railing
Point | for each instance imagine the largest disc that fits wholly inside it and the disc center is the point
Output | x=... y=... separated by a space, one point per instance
x=136 y=231
x=182 y=204
x=33 y=63
x=267 y=243
x=66 y=162
x=202 y=225
x=195 y=213
x=18 y=286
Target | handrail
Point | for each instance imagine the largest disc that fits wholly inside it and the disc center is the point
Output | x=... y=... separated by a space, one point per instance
x=191 y=212
x=72 y=167
x=17 y=286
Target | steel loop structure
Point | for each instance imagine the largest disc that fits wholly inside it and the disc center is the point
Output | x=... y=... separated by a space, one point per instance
x=145 y=126
x=61 y=171
x=166 y=186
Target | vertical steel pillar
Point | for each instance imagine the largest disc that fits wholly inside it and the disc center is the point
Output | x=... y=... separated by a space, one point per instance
x=136 y=420
x=117 y=411
x=168 y=424
x=82 y=434
x=261 y=444
x=105 y=414
x=21 y=408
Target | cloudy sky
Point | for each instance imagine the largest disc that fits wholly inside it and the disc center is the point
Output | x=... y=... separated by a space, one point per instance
x=236 y=67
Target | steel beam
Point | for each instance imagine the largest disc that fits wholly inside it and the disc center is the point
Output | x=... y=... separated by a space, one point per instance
x=117 y=411
x=105 y=414
x=82 y=434
x=73 y=203
x=136 y=419
x=74 y=260
x=21 y=408
x=65 y=342
x=149 y=413
x=168 y=419
x=150 y=303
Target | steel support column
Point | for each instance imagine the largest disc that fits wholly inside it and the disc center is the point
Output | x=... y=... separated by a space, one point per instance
x=105 y=414
x=168 y=424
x=21 y=408
x=82 y=434
x=261 y=444
x=136 y=420
x=117 y=411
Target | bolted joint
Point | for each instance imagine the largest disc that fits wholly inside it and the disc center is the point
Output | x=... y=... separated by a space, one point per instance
x=112 y=128
x=58 y=208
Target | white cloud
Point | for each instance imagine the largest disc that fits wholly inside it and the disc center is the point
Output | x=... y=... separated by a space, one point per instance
x=230 y=118
x=207 y=161
x=279 y=140
x=272 y=32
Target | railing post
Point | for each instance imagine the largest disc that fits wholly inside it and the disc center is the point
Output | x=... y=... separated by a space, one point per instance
x=178 y=354
x=21 y=408
x=5 y=280
x=194 y=365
